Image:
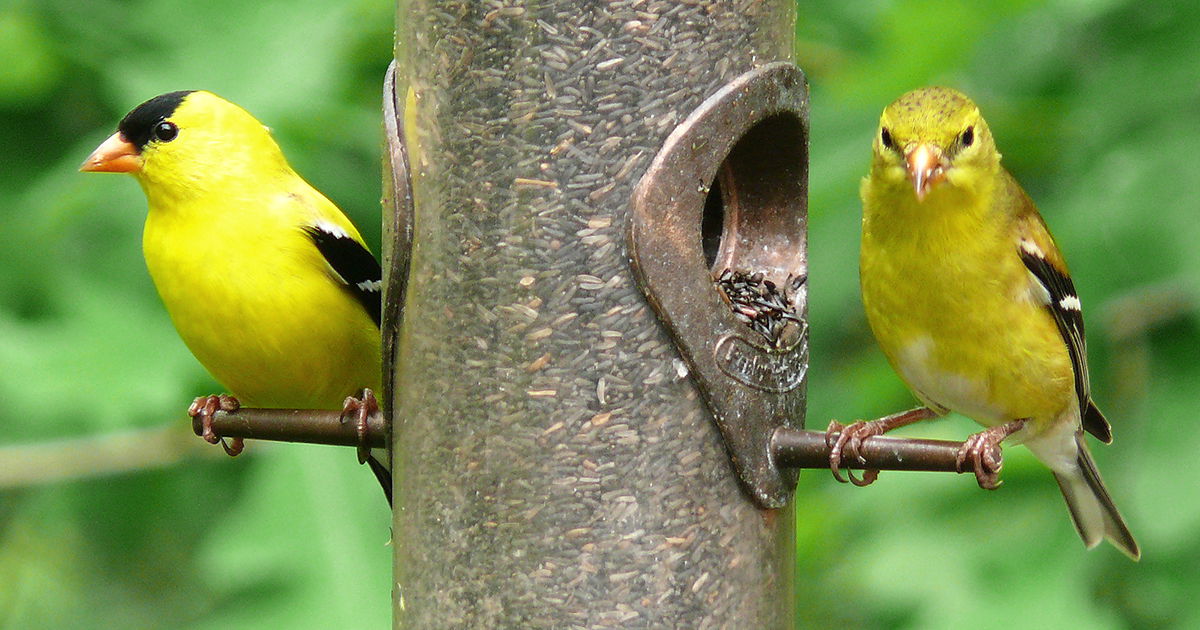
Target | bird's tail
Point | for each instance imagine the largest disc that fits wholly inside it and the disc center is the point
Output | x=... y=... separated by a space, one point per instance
x=1090 y=504
x=378 y=463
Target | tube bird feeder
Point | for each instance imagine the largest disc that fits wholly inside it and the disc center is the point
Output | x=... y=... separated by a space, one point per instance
x=556 y=460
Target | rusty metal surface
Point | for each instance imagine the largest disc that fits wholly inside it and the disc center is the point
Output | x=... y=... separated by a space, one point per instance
x=752 y=137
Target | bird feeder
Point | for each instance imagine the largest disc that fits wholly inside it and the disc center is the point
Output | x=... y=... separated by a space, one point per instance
x=556 y=464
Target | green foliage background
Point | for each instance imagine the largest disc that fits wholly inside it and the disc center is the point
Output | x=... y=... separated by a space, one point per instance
x=113 y=515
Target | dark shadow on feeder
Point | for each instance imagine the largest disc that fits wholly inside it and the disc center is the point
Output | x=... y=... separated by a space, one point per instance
x=712 y=223
x=760 y=193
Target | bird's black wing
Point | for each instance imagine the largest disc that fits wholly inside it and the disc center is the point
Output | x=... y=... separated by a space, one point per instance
x=1063 y=304
x=354 y=265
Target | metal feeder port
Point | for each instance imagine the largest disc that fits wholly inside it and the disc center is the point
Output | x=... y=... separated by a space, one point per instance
x=717 y=236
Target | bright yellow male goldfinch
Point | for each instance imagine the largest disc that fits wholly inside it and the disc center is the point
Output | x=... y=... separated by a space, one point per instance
x=267 y=282
x=972 y=303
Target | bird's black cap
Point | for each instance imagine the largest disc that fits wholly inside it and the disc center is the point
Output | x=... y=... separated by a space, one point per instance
x=137 y=125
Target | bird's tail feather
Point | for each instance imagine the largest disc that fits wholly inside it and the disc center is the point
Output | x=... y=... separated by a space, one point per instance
x=383 y=474
x=1091 y=507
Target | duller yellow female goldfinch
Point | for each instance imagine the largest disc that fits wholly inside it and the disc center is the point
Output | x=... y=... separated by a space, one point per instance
x=267 y=282
x=972 y=303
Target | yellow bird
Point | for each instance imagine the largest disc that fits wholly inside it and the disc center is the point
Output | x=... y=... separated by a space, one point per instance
x=267 y=282
x=971 y=301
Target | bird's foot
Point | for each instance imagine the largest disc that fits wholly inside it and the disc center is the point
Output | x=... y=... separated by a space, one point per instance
x=982 y=453
x=359 y=409
x=848 y=439
x=201 y=412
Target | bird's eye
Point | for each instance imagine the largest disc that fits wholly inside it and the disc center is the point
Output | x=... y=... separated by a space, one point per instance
x=967 y=137
x=885 y=137
x=165 y=131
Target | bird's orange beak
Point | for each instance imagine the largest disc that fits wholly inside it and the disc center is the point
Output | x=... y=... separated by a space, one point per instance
x=115 y=155
x=925 y=168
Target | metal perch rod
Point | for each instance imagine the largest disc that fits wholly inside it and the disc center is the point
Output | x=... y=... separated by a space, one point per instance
x=311 y=426
x=793 y=448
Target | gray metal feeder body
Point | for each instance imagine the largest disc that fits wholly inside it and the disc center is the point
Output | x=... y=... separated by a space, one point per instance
x=556 y=463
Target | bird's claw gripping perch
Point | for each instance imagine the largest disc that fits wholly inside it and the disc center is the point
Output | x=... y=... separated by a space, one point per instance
x=848 y=439
x=360 y=409
x=201 y=412
x=981 y=453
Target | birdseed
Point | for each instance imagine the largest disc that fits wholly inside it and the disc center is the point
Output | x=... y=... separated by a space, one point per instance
x=764 y=307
